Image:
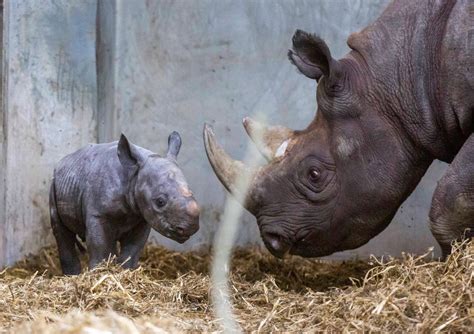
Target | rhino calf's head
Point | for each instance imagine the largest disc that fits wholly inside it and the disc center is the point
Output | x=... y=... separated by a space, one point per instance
x=158 y=189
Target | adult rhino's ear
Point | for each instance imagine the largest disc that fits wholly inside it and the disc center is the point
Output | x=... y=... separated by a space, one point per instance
x=128 y=154
x=312 y=57
x=174 y=145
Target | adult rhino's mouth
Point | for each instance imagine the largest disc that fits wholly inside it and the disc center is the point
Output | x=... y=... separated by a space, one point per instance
x=279 y=245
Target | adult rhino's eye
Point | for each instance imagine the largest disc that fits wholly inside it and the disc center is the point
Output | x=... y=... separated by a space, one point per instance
x=161 y=201
x=314 y=175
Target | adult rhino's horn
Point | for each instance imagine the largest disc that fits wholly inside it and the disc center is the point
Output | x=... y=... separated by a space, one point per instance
x=271 y=141
x=233 y=174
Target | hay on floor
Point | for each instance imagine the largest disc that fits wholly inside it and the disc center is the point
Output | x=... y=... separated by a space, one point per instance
x=170 y=293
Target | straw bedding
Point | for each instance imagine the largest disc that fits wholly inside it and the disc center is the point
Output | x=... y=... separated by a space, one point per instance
x=170 y=293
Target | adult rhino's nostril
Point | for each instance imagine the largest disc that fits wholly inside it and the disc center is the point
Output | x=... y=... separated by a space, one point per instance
x=276 y=244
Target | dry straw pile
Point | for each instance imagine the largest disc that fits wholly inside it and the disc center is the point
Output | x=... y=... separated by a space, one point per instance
x=170 y=293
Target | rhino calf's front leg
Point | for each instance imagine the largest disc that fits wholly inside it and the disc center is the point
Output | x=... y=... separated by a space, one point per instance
x=131 y=245
x=452 y=208
x=100 y=242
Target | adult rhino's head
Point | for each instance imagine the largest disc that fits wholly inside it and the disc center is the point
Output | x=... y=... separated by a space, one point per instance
x=339 y=182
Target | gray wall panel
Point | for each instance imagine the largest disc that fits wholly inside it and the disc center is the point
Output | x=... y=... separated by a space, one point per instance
x=50 y=104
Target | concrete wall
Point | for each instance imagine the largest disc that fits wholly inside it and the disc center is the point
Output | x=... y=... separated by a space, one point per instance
x=2 y=149
x=150 y=67
x=48 y=111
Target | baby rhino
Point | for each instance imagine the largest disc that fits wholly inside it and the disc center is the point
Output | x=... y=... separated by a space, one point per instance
x=114 y=193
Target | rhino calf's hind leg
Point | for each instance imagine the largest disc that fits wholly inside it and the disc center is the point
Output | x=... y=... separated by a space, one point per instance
x=452 y=208
x=131 y=245
x=66 y=241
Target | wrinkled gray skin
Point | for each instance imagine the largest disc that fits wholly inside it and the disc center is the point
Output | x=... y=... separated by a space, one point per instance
x=402 y=97
x=114 y=193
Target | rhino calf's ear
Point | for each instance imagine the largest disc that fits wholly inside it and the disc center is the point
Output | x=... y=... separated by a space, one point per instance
x=128 y=155
x=311 y=55
x=174 y=145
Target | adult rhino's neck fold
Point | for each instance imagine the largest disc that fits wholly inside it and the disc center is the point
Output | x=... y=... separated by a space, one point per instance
x=377 y=179
x=401 y=50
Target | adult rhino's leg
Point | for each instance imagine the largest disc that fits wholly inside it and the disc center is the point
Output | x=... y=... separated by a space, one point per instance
x=65 y=239
x=99 y=240
x=131 y=245
x=452 y=208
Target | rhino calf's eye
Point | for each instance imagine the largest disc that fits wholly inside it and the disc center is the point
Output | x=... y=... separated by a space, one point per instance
x=314 y=175
x=161 y=201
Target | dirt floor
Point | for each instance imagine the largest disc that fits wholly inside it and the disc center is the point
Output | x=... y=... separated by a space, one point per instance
x=170 y=292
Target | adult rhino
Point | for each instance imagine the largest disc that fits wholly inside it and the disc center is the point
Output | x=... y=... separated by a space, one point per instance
x=402 y=97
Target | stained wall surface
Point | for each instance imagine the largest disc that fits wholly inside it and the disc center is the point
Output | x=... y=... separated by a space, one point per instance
x=49 y=109
x=85 y=71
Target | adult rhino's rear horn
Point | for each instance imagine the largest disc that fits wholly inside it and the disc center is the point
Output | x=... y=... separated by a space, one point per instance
x=271 y=141
x=233 y=174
